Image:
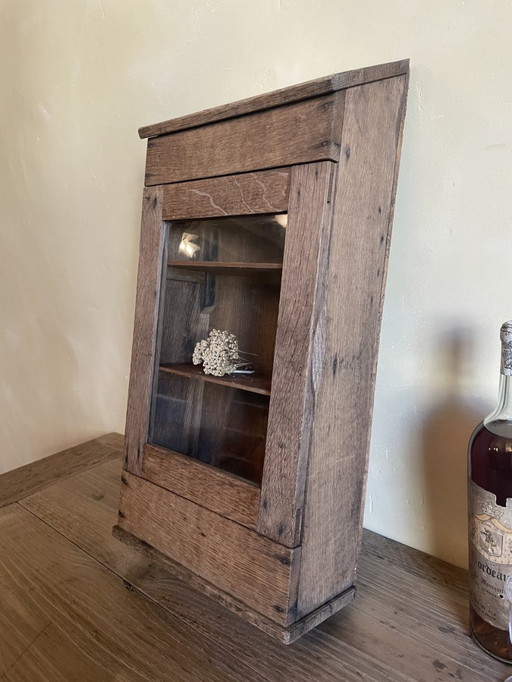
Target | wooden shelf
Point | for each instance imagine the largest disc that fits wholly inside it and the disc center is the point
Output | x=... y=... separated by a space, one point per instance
x=254 y=383
x=226 y=267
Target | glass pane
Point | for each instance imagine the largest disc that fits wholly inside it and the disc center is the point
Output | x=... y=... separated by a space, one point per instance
x=217 y=425
x=251 y=239
x=216 y=411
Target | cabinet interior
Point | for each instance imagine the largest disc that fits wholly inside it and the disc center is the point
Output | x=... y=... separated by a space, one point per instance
x=224 y=274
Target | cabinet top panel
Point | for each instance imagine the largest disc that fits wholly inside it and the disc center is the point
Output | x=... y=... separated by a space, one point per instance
x=313 y=88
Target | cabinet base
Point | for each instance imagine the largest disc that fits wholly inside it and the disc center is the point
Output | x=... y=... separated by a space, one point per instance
x=286 y=635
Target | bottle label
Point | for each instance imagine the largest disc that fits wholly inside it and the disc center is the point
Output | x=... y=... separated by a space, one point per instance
x=490 y=555
x=506 y=347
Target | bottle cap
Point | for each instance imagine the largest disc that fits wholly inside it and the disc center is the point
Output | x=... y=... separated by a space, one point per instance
x=506 y=347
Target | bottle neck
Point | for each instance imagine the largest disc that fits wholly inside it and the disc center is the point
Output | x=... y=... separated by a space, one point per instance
x=503 y=410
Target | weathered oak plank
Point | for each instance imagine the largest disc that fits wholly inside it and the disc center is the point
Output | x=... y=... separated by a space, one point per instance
x=346 y=340
x=56 y=656
x=219 y=491
x=251 y=568
x=285 y=634
x=153 y=243
x=313 y=88
x=254 y=384
x=255 y=142
x=108 y=632
x=284 y=472
x=244 y=194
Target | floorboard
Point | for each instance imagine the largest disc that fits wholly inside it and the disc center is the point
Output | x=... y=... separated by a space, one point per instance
x=65 y=612
x=27 y=479
x=111 y=633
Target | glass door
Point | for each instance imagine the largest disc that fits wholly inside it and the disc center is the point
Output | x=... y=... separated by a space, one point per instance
x=218 y=320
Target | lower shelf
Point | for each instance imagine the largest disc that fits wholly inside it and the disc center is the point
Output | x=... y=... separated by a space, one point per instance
x=285 y=634
x=245 y=382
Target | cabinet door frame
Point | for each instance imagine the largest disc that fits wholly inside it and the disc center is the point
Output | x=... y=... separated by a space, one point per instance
x=304 y=192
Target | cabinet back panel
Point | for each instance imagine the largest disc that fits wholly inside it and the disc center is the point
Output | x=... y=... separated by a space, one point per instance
x=217 y=425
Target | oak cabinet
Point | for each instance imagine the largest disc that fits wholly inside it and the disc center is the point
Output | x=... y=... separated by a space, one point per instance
x=270 y=219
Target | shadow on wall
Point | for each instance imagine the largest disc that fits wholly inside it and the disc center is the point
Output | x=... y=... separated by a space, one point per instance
x=445 y=435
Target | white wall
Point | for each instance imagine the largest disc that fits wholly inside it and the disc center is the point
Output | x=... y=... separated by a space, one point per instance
x=80 y=76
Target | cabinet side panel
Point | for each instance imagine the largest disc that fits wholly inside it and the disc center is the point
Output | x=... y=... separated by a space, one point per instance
x=253 y=569
x=309 y=219
x=346 y=340
x=152 y=246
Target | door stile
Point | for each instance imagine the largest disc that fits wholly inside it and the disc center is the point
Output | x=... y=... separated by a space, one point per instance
x=291 y=408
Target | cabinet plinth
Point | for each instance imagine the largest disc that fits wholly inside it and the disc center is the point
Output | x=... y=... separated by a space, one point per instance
x=269 y=219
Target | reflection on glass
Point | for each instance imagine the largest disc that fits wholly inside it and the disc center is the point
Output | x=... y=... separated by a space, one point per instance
x=252 y=239
x=222 y=274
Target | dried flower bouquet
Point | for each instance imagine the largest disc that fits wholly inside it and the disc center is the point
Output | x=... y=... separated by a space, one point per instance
x=220 y=355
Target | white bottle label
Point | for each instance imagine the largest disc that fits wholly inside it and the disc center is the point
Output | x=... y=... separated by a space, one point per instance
x=490 y=555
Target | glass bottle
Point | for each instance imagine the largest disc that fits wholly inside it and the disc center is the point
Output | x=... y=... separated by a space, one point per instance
x=490 y=517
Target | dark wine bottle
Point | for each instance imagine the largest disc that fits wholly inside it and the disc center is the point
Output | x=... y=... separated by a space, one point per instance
x=490 y=518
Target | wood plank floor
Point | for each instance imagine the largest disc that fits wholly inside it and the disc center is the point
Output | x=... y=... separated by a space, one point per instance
x=78 y=605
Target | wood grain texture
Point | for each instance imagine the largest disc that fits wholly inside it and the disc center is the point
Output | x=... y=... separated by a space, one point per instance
x=254 y=384
x=276 y=137
x=294 y=93
x=209 y=487
x=94 y=496
x=247 y=193
x=96 y=629
x=285 y=634
x=149 y=281
x=345 y=343
x=251 y=568
x=227 y=268
x=27 y=479
x=309 y=219
x=408 y=622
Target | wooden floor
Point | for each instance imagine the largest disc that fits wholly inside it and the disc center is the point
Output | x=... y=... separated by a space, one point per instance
x=78 y=605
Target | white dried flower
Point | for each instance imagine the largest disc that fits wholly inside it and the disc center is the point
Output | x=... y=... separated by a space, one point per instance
x=199 y=351
x=218 y=353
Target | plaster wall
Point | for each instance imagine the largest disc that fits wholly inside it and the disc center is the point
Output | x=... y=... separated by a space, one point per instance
x=79 y=77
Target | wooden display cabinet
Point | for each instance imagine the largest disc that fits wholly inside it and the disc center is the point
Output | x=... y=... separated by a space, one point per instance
x=269 y=218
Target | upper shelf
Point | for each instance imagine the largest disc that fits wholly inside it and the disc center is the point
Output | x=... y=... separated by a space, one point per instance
x=226 y=267
x=253 y=383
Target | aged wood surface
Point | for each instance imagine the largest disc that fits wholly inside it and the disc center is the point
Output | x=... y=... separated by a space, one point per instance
x=253 y=384
x=59 y=621
x=91 y=628
x=284 y=472
x=151 y=258
x=227 y=268
x=212 y=488
x=28 y=479
x=277 y=137
x=247 y=193
x=349 y=309
x=250 y=567
x=285 y=634
x=294 y=93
